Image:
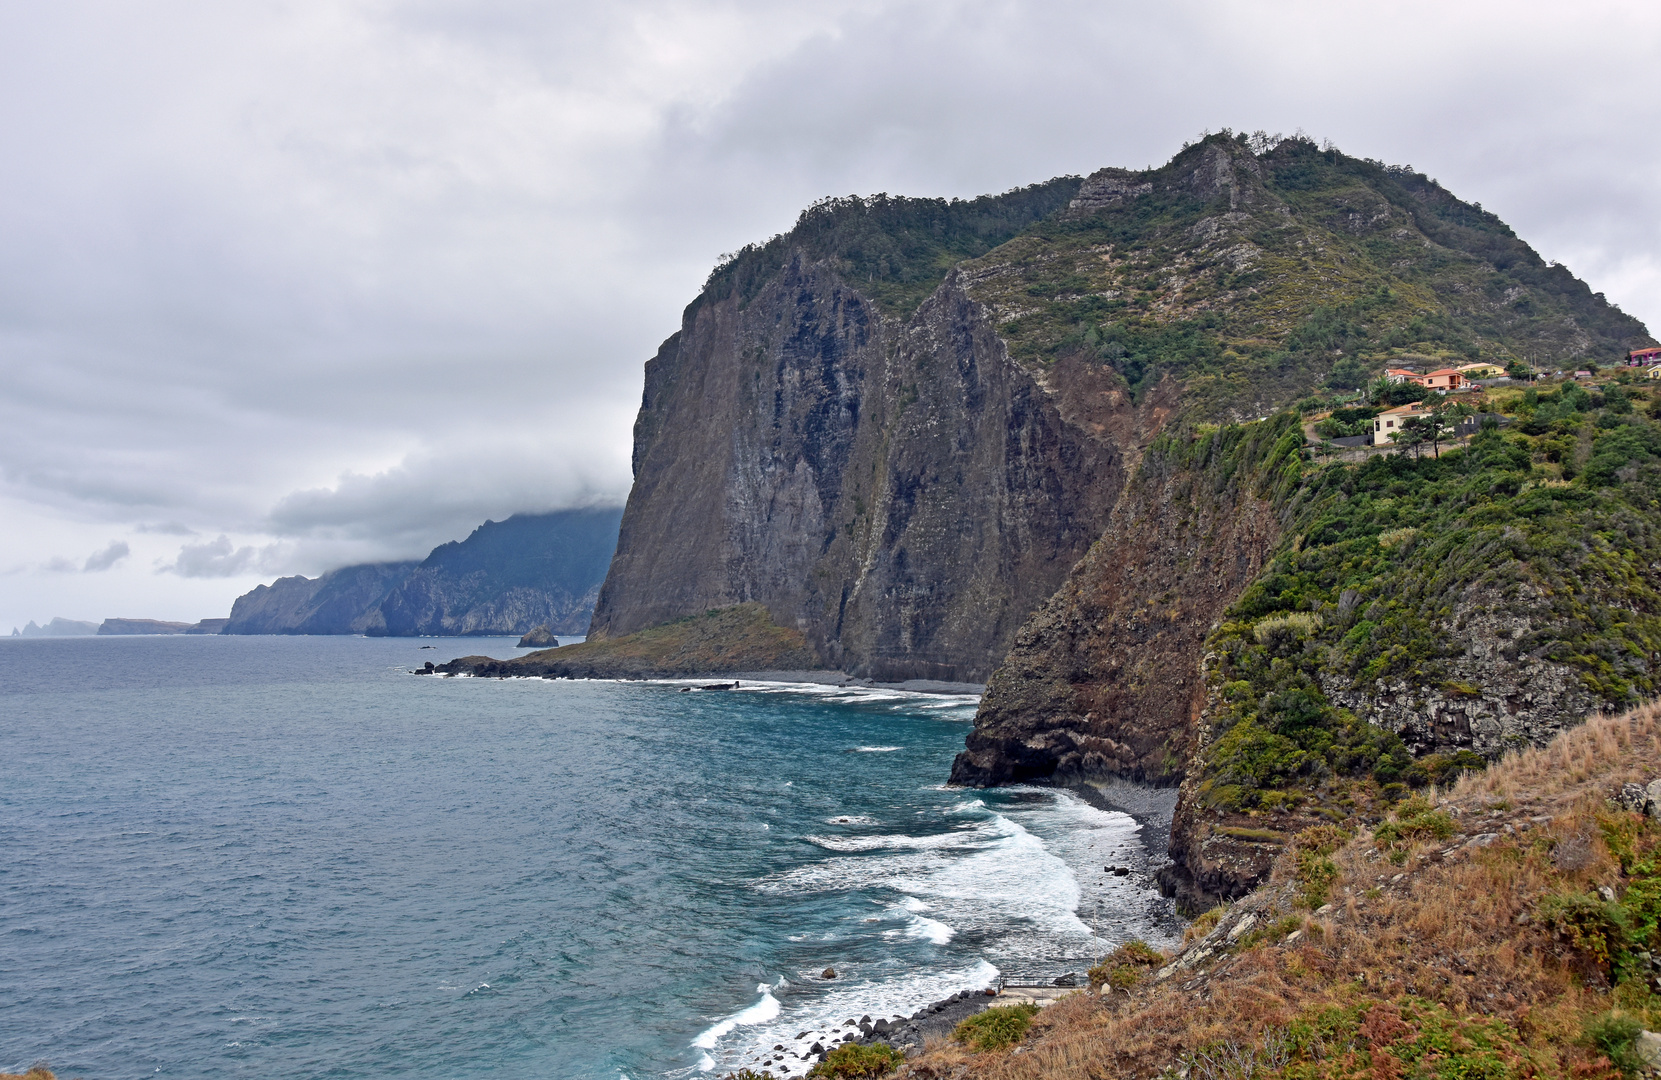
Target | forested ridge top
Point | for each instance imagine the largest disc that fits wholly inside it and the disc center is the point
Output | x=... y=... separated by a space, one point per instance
x=1256 y=270
x=894 y=248
x=1253 y=269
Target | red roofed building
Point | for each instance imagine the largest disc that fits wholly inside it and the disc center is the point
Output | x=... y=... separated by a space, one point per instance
x=1446 y=379
x=1644 y=356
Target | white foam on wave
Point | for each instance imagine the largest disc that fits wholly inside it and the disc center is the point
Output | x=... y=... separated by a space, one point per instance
x=759 y=1013
x=995 y=876
x=876 y=749
x=1088 y=839
x=819 y=1016
x=851 y=819
x=958 y=838
x=921 y=926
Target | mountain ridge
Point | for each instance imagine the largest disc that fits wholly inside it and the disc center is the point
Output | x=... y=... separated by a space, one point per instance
x=506 y=577
x=900 y=444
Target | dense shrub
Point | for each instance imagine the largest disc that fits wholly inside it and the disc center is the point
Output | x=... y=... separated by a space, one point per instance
x=1615 y=1035
x=997 y=1028
x=851 y=1061
x=1125 y=965
x=1377 y=556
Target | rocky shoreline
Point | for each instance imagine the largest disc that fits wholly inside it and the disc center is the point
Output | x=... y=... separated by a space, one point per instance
x=819 y=678
x=908 y=1034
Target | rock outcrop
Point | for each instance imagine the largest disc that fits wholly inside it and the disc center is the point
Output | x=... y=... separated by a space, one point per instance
x=539 y=638
x=1105 y=679
x=899 y=437
x=899 y=425
x=345 y=601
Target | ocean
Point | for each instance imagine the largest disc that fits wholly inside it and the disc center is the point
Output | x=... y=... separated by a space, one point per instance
x=267 y=856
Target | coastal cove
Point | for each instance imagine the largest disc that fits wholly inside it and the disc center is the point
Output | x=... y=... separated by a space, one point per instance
x=288 y=855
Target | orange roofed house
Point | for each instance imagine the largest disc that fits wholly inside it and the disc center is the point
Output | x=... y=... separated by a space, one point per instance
x=1445 y=379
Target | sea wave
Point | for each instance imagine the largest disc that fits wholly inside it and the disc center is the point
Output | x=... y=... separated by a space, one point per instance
x=759 y=1013
x=806 y=1020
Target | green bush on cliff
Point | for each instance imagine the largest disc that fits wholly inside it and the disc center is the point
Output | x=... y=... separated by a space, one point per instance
x=851 y=1061
x=1378 y=557
x=996 y=1028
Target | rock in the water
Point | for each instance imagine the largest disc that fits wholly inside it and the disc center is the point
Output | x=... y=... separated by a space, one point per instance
x=828 y=973
x=539 y=638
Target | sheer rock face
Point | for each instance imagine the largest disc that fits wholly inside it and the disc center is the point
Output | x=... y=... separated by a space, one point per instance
x=1106 y=680
x=340 y=602
x=897 y=489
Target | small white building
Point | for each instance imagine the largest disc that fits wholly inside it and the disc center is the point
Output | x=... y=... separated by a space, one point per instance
x=1390 y=421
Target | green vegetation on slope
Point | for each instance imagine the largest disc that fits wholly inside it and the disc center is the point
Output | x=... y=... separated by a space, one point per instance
x=1552 y=525
x=1309 y=267
x=739 y=638
x=894 y=249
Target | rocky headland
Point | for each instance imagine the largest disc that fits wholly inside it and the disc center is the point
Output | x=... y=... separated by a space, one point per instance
x=1059 y=440
x=742 y=638
x=507 y=577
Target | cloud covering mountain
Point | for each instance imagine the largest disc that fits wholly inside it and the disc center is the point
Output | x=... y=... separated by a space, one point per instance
x=291 y=286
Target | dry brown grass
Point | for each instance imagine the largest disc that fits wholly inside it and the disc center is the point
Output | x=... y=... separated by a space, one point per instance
x=39 y=1072
x=1447 y=932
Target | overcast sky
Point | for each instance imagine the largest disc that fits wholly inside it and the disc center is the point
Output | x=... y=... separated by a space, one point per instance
x=291 y=284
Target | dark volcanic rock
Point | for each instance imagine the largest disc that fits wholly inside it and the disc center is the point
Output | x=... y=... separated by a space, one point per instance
x=539 y=638
x=899 y=490
x=1105 y=679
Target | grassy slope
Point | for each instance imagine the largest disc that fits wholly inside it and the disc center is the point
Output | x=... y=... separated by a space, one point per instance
x=741 y=638
x=1468 y=943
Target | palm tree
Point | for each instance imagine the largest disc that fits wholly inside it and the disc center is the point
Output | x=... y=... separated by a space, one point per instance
x=1446 y=420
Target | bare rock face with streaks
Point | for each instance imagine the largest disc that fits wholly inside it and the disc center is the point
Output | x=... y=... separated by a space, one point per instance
x=1105 y=679
x=897 y=489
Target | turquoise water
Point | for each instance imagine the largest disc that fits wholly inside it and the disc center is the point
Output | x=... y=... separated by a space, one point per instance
x=287 y=856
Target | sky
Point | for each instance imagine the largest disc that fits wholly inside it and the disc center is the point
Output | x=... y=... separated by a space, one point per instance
x=290 y=284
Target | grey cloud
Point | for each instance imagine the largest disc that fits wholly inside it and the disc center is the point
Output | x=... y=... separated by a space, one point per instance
x=343 y=284
x=406 y=510
x=219 y=558
x=103 y=560
x=97 y=562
